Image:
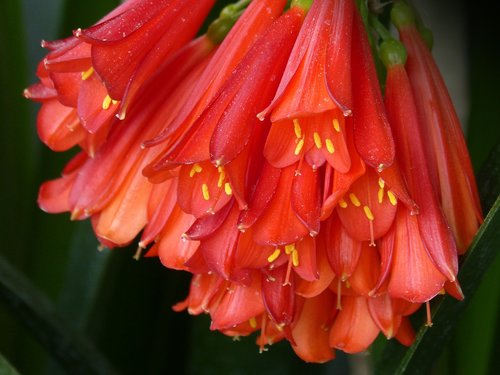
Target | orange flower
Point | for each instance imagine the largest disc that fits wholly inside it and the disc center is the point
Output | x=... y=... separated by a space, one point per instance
x=260 y=157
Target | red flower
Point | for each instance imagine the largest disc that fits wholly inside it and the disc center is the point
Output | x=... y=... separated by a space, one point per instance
x=266 y=165
x=450 y=167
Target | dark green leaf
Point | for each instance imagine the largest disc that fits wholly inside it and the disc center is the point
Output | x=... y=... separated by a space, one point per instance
x=38 y=315
x=6 y=368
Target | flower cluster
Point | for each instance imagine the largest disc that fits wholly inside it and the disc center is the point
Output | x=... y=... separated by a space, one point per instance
x=263 y=158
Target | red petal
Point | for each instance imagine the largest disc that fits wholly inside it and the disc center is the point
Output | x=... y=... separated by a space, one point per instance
x=162 y=201
x=239 y=304
x=313 y=288
x=366 y=274
x=173 y=249
x=58 y=126
x=305 y=198
x=279 y=225
x=372 y=133
x=342 y=250
x=307 y=268
x=202 y=193
x=354 y=329
x=266 y=58
x=343 y=181
x=383 y=315
x=338 y=61
x=366 y=211
x=279 y=299
x=219 y=247
x=262 y=196
x=413 y=275
x=311 y=332
x=126 y=214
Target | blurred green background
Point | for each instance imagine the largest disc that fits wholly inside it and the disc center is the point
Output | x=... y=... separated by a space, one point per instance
x=103 y=312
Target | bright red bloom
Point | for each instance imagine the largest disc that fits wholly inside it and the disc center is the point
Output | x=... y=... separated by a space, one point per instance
x=265 y=166
x=450 y=167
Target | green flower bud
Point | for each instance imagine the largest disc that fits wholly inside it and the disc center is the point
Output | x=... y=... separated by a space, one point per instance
x=402 y=15
x=392 y=52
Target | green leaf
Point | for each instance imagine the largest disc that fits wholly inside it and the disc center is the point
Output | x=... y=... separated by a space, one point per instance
x=6 y=368
x=73 y=351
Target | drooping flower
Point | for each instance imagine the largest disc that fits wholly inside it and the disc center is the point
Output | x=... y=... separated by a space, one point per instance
x=261 y=158
x=451 y=170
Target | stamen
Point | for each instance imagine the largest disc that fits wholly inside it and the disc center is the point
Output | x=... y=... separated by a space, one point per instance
x=86 y=74
x=222 y=177
x=429 y=317
x=289 y=249
x=342 y=203
x=299 y=146
x=372 y=234
x=138 y=252
x=368 y=213
x=354 y=199
x=288 y=272
x=336 y=125
x=317 y=140
x=381 y=183
x=274 y=256
x=204 y=190
x=296 y=128
x=106 y=102
x=295 y=258
x=227 y=188
x=329 y=146
x=195 y=169
x=263 y=323
x=380 y=195
x=392 y=198
x=253 y=322
x=339 y=294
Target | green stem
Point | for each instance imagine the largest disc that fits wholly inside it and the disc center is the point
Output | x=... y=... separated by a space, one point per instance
x=220 y=27
x=72 y=350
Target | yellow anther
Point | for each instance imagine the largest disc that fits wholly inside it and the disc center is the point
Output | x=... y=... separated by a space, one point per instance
x=295 y=258
x=317 y=140
x=113 y=101
x=329 y=145
x=106 y=102
x=368 y=213
x=392 y=198
x=336 y=125
x=195 y=169
x=227 y=188
x=289 y=249
x=222 y=177
x=204 y=190
x=380 y=195
x=342 y=203
x=296 y=128
x=354 y=199
x=253 y=322
x=271 y=258
x=86 y=74
x=381 y=183
x=299 y=146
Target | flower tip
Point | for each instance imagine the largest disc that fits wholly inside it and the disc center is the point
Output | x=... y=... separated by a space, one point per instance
x=121 y=115
x=138 y=252
x=78 y=32
x=75 y=214
x=261 y=116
